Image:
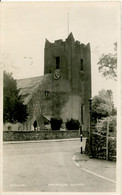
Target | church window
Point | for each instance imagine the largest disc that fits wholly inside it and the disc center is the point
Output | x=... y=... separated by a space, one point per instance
x=57 y=62
x=46 y=94
x=81 y=65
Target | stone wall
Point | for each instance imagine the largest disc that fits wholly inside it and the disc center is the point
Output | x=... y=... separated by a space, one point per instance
x=39 y=135
x=99 y=147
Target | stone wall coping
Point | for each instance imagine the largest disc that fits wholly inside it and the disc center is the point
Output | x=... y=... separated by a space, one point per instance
x=42 y=141
x=45 y=130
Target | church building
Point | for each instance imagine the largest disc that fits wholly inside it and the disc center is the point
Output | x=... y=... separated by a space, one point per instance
x=64 y=89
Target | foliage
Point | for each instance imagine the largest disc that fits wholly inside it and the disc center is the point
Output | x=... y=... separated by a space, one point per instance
x=102 y=105
x=72 y=124
x=51 y=105
x=56 y=123
x=101 y=126
x=13 y=108
x=59 y=101
x=108 y=64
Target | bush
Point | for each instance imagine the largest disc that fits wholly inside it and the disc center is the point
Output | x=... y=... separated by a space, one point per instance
x=56 y=123
x=102 y=125
x=72 y=124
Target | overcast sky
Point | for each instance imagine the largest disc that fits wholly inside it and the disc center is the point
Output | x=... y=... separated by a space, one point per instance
x=25 y=26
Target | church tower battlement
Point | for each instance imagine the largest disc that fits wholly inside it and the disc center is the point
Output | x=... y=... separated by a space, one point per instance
x=71 y=59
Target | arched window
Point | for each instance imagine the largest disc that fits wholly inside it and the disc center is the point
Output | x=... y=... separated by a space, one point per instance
x=81 y=65
x=57 y=62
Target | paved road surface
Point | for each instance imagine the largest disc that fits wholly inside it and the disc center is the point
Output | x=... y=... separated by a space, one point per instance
x=49 y=167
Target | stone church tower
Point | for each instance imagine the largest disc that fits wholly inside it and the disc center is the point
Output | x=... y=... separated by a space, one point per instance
x=64 y=89
x=69 y=63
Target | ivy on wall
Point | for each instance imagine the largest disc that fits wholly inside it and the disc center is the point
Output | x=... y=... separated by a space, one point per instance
x=41 y=104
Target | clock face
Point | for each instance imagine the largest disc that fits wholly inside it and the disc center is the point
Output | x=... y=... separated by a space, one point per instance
x=57 y=74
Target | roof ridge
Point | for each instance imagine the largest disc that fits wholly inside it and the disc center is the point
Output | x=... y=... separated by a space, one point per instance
x=30 y=78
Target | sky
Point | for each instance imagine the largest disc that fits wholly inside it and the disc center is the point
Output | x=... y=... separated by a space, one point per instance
x=26 y=25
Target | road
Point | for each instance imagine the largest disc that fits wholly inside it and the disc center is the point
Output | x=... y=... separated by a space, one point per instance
x=49 y=167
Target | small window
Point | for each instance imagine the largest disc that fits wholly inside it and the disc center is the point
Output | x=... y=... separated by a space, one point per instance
x=81 y=65
x=58 y=62
x=46 y=93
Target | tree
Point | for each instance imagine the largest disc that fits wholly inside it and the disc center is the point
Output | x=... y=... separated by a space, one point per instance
x=13 y=108
x=102 y=105
x=108 y=64
x=72 y=124
x=101 y=126
x=56 y=123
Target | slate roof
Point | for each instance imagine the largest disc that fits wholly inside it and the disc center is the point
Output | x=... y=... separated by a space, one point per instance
x=27 y=86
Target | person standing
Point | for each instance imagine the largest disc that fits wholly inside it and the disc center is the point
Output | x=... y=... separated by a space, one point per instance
x=35 y=125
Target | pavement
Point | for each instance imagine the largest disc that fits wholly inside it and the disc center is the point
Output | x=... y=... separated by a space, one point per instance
x=101 y=168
